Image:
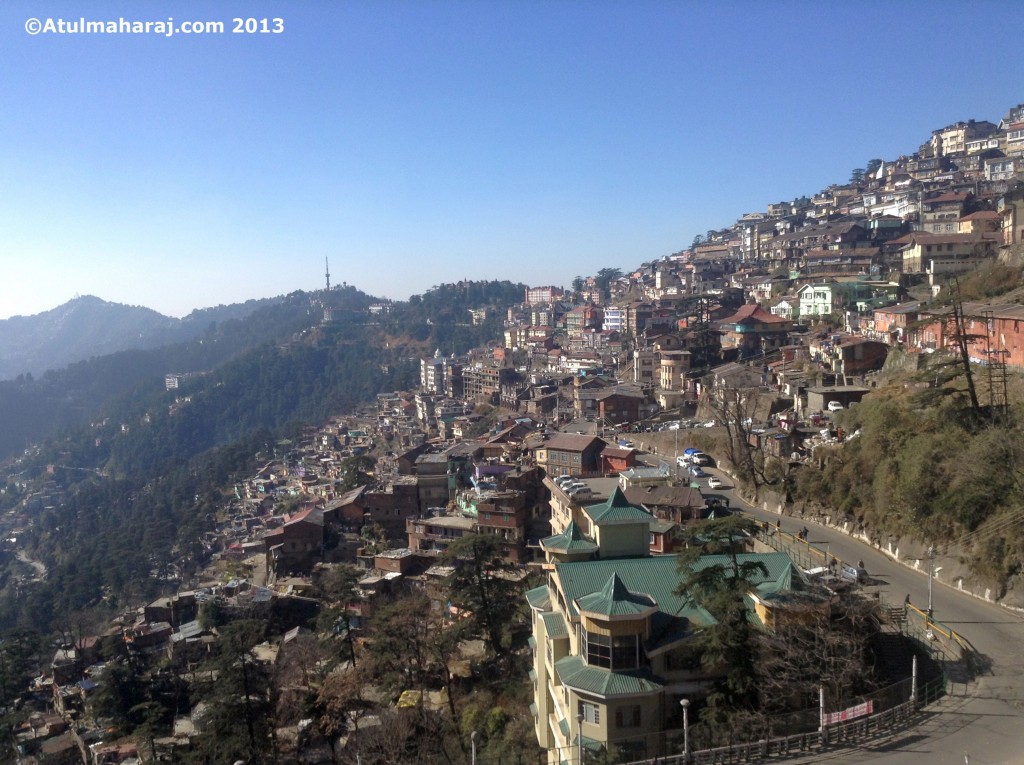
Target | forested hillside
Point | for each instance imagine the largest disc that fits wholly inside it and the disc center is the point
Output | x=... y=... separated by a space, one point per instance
x=32 y=409
x=440 y=318
x=87 y=327
x=924 y=465
x=145 y=475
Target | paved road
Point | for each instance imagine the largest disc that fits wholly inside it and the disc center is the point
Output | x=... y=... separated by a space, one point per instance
x=978 y=724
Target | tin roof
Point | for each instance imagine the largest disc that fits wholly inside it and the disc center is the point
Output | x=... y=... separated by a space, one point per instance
x=614 y=599
x=570 y=540
x=616 y=508
x=578 y=675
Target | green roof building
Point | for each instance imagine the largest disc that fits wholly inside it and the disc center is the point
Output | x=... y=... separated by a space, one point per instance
x=614 y=648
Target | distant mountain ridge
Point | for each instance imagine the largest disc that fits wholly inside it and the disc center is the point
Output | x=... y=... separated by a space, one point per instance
x=88 y=326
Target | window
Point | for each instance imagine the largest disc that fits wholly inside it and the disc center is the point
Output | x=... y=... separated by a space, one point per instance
x=628 y=716
x=597 y=649
x=618 y=653
x=591 y=712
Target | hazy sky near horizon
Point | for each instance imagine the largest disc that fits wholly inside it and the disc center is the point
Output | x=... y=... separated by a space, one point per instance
x=414 y=143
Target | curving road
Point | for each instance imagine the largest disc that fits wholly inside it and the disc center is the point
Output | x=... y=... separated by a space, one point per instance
x=981 y=723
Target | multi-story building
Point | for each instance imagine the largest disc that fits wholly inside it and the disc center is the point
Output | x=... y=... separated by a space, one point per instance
x=297 y=544
x=569 y=454
x=483 y=383
x=752 y=330
x=614 y=319
x=432 y=373
x=946 y=253
x=542 y=295
x=1011 y=213
x=615 y=643
x=824 y=298
x=673 y=367
x=646 y=366
x=953 y=139
x=1004 y=168
x=435 y=533
x=980 y=222
x=993 y=332
x=1013 y=141
x=502 y=514
x=582 y=317
x=940 y=213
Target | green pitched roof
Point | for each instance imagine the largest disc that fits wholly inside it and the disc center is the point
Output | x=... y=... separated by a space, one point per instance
x=615 y=600
x=617 y=508
x=554 y=625
x=570 y=540
x=539 y=598
x=576 y=674
x=657 y=576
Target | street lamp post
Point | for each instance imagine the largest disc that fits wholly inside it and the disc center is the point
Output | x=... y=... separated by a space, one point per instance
x=472 y=742
x=579 y=738
x=685 y=704
x=931 y=577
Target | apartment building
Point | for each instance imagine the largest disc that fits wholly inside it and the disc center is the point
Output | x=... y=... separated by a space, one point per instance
x=615 y=647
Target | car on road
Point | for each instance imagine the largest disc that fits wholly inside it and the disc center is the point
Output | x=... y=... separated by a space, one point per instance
x=697 y=472
x=714 y=482
x=856 y=574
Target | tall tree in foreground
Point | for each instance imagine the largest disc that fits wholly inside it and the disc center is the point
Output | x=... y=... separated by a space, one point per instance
x=485 y=585
x=237 y=723
x=720 y=587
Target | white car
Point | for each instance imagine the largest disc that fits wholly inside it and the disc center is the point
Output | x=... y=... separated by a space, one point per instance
x=834 y=406
x=715 y=482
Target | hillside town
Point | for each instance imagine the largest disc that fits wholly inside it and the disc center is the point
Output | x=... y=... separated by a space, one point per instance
x=572 y=443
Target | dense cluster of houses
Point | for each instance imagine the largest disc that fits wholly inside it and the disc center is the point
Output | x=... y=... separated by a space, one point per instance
x=844 y=257
x=804 y=300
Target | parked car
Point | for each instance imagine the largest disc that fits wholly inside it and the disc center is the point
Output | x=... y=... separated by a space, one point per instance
x=834 y=406
x=853 y=574
x=715 y=483
x=697 y=472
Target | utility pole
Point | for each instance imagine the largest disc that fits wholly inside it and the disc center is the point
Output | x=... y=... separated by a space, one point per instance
x=677 y=454
x=931 y=577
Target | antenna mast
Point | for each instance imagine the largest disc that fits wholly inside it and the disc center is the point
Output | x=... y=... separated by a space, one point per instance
x=327 y=270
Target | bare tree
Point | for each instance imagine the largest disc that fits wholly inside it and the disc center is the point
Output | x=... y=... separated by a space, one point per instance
x=736 y=409
x=827 y=647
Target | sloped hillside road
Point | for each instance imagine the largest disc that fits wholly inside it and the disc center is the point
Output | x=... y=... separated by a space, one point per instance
x=978 y=723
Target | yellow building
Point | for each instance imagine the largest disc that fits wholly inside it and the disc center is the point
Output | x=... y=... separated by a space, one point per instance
x=614 y=643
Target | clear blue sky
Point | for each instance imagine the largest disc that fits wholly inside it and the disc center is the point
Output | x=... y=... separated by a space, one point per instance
x=414 y=143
